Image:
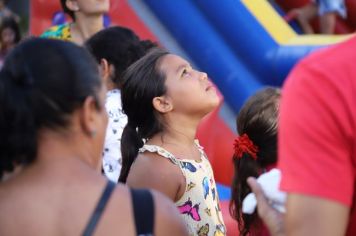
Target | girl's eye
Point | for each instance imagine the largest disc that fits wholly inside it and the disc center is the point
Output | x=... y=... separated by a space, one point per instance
x=185 y=72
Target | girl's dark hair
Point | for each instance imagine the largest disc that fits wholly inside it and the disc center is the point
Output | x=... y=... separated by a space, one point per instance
x=10 y=22
x=42 y=83
x=258 y=118
x=143 y=81
x=120 y=47
x=67 y=10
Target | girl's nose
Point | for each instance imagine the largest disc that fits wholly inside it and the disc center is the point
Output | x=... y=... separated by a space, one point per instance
x=203 y=76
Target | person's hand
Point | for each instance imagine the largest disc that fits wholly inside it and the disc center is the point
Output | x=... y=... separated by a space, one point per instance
x=273 y=219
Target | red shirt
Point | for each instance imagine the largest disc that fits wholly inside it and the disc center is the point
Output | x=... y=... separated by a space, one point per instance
x=317 y=137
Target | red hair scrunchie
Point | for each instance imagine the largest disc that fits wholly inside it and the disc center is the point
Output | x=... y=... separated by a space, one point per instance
x=243 y=144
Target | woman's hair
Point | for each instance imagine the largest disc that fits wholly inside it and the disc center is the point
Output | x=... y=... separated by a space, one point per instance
x=67 y=10
x=143 y=81
x=10 y=22
x=42 y=83
x=257 y=120
x=120 y=47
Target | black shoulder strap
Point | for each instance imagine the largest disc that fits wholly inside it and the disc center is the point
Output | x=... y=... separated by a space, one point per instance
x=95 y=217
x=143 y=206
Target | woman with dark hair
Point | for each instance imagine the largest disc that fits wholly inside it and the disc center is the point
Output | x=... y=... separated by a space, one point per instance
x=9 y=37
x=52 y=124
x=87 y=19
x=164 y=99
x=115 y=49
x=255 y=152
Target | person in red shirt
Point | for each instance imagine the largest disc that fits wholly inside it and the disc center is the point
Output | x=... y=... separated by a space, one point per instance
x=317 y=147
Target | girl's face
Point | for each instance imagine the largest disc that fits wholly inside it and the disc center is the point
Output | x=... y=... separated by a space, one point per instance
x=189 y=90
x=7 y=37
x=92 y=6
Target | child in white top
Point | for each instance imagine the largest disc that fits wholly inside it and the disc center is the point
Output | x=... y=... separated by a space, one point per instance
x=115 y=49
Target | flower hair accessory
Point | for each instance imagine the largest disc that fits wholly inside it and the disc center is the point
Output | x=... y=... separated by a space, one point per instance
x=243 y=144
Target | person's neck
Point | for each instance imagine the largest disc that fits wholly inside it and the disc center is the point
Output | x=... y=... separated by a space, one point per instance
x=85 y=26
x=180 y=130
x=110 y=85
x=54 y=146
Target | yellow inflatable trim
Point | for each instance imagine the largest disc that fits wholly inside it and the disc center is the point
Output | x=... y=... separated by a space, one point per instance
x=280 y=31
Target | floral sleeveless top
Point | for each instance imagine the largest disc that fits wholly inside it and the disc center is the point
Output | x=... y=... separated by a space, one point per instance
x=199 y=205
x=61 y=32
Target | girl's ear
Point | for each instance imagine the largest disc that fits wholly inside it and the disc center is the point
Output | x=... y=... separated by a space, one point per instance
x=107 y=70
x=104 y=69
x=162 y=104
x=72 y=5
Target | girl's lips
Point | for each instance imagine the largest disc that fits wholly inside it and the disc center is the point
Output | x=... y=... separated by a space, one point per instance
x=210 y=86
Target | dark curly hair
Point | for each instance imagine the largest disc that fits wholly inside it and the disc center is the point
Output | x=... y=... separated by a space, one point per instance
x=10 y=22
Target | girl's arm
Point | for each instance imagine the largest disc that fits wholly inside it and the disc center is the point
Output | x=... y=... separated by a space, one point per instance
x=155 y=172
x=167 y=218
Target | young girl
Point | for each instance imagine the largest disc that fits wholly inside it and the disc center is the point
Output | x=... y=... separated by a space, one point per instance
x=165 y=99
x=255 y=152
x=87 y=16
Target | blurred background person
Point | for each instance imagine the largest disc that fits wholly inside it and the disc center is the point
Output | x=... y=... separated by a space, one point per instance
x=255 y=152
x=326 y=10
x=87 y=19
x=10 y=36
x=115 y=49
x=6 y=12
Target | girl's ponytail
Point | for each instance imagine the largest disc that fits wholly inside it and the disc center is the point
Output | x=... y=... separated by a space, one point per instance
x=246 y=165
x=130 y=144
x=142 y=82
